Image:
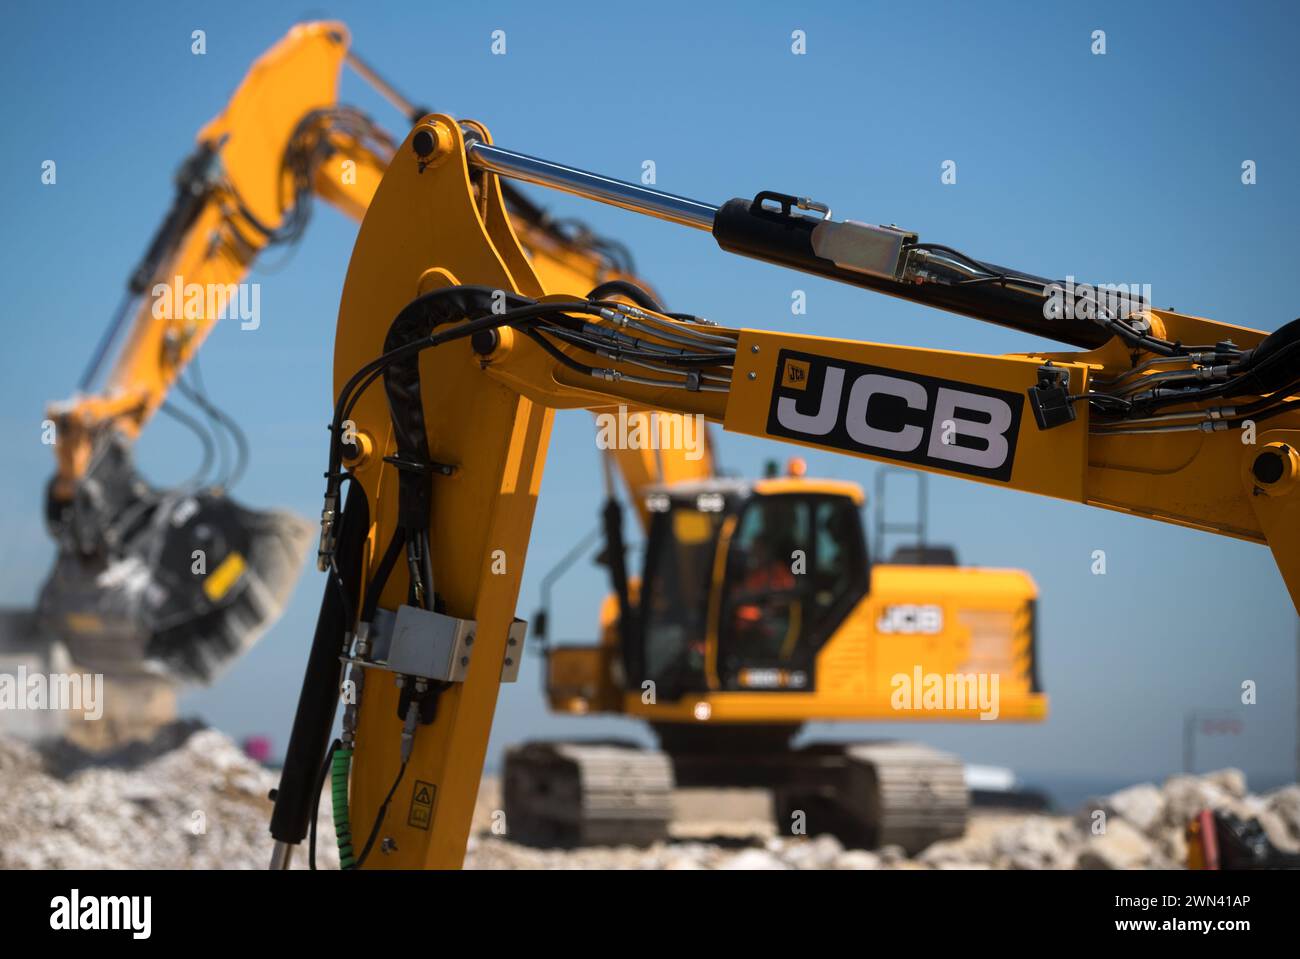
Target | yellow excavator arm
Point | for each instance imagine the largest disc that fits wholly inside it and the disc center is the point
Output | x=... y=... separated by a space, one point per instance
x=249 y=184
x=281 y=140
x=230 y=204
x=452 y=353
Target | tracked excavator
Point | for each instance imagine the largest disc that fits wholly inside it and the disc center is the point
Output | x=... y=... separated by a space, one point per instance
x=283 y=140
x=453 y=349
x=758 y=611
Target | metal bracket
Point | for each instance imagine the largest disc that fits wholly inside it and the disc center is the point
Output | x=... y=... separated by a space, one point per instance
x=422 y=643
x=514 y=651
x=878 y=251
x=428 y=645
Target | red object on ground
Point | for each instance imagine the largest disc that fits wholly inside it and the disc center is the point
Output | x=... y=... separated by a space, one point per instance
x=258 y=748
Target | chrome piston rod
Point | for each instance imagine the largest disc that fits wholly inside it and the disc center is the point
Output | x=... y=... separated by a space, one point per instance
x=593 y=186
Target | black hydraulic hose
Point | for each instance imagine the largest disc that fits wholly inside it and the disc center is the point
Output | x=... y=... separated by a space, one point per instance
x=1255 y=379
x=414 y=309
x=384 y=570
x=1261 y=369
x=198 y=429
x=198 y=394
x=219 y=434
x=559 y=356
x=317 y=702
x=636 y=294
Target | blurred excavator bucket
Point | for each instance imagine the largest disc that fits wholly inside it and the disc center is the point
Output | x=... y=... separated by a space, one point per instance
x=176 y=583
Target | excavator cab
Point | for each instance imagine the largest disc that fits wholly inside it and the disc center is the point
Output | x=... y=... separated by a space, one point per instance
x=744 y=583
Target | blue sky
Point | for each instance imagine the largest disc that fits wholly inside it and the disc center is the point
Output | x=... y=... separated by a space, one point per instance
x=1117 y=168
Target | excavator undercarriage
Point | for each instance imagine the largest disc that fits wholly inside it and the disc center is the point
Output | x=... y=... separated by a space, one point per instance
x=866 y=794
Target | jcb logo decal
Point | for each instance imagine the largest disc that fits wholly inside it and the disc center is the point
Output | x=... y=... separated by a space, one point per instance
x=794 y=374
x=909 y=619
x=894 y=415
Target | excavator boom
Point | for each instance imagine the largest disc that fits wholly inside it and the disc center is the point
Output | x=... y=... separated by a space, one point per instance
x=474 y=351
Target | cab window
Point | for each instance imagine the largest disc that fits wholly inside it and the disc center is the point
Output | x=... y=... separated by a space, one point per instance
x=796 y=567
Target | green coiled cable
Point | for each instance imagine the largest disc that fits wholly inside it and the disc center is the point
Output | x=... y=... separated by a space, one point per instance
x=340 y=767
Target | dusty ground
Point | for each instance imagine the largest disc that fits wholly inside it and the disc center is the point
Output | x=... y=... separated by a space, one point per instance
x=191 y=799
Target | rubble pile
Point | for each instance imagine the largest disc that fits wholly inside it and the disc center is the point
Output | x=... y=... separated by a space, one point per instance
x=1141 y=827
x=191 y=799
x=188 y=799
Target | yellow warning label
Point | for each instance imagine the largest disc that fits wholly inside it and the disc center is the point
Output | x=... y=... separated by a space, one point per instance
x=795 y=375
x=224 y=576
x=421 y=813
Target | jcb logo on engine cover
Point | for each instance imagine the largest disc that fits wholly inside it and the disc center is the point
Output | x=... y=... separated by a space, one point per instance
x=894 y=415
x=910 y=619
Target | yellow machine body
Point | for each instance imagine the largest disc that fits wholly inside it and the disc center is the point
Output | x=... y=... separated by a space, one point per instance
x=912 y=628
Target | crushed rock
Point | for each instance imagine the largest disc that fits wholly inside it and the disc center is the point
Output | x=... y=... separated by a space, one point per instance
x=191 y=799
x=188 y=799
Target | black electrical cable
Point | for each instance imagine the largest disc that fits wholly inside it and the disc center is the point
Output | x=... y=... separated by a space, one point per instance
x=993 y=274
x=379 y=818
x=360 y=390
x=1124 y=330
x=1101 y=399
x=426 y=559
